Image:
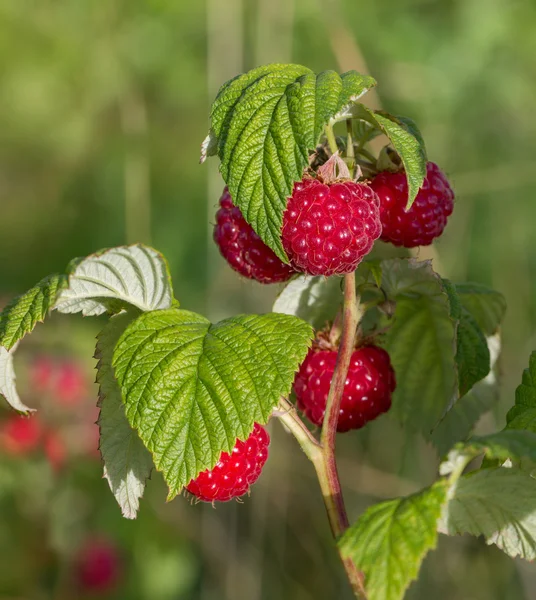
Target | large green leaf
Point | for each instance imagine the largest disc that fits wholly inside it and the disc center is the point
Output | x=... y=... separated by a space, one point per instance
x=486 y=305
x=127 y=463
x=192 y=388
x=113 y=279
x=421 y=346
x=22 y=314
x=498 y=504
x=390 y=540
x=264 y=124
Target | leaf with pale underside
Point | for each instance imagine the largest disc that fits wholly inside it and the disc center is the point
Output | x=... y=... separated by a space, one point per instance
x=192 y=388
x=113 y=279
x=127 y=463
x=17 y=319
x=497 y=504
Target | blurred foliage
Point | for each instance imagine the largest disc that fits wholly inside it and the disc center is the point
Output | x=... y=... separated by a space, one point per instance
x=103 y=106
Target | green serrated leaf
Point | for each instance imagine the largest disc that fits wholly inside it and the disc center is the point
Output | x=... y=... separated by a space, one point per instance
x=192 y=388
x=486 y=305
x=127 y=463
x=116 y=278
x=472 y=354
x=22 y=314
x=460 y=420
x=267 y=122
x=421 y=346
x=406 y=140
x=524 y=410
x=390 y=540
x=498 y=504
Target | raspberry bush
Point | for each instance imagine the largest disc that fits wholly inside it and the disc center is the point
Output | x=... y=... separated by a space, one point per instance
x=307 y=199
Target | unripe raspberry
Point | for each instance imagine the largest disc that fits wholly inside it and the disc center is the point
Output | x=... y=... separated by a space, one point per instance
x=243 y=249
x=234 y=473
x=329 y=228
x=367 y=390
x=427 y=217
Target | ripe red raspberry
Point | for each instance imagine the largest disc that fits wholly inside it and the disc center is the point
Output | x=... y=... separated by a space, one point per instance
x=234 y=473
x=428 y=215
x=20 y=435
x=329 y=228
x=367 y=391
x=98 y=566
x=243 y=249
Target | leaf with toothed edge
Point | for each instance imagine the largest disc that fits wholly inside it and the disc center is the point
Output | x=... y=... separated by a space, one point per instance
x=390 y=540
x=22 y=314
x=116 y=278
x=191 y=388
x=17 y=319
x=127 y=463
x=265 y=124
x=498 y=504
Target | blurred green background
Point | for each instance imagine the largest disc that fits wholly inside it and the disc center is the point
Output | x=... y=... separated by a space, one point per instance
x=103 y=106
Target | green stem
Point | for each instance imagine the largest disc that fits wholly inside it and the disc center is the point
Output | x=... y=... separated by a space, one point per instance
x=367 y=154
x=349 y=139
x=332 y=141
x=287 y=413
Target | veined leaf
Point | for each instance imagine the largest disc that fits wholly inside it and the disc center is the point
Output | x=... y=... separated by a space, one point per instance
x=486 y=305
x=113 y=279
x=503 y=445
x=127 y=463
x=265 y=123
x=192 y=388
x=22 y=314
x=406 y=140
x=17 y=319
x=390 y=540
x=498 y=504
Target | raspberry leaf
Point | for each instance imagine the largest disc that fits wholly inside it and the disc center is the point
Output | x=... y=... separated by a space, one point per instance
x=504 y=445
x=486 y=305
x=313 y=299
x=460 y=420
x=127 y=463
x=406 y=140
x=17 y=319
x=22 y=314
x=192 y=388
x=390 y=540
x=113 y=279
x=523 y=414
x=266 y=123
x=498 y=504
